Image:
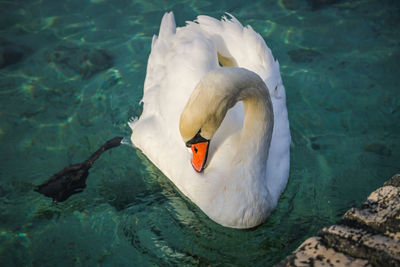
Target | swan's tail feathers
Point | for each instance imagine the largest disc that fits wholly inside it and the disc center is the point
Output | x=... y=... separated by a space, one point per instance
x=168 y=26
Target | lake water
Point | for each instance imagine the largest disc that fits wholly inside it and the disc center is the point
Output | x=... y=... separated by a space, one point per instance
x=339 y=64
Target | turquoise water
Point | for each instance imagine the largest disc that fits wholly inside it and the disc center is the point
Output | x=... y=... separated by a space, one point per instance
x=339 y=64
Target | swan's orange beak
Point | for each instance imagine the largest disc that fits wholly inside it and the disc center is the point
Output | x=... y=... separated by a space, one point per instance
x=200 y=152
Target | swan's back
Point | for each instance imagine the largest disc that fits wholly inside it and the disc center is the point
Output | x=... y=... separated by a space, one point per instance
x=179 y=58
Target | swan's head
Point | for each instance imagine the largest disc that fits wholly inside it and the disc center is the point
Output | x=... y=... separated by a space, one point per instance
x=204 y=113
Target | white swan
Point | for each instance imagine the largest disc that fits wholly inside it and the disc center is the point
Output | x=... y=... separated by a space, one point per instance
x=186 y=96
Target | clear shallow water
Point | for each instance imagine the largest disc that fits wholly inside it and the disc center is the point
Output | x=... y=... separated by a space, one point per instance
x=340 y=67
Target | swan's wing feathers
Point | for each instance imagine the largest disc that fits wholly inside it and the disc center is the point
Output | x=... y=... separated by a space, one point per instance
x=247 y=47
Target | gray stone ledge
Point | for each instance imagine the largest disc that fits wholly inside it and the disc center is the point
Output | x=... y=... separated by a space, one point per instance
x=367 y=236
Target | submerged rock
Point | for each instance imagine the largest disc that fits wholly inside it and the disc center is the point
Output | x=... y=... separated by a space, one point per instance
x=317 y=4
x=378 y=148
x=85 y=61
x=11 y=53
x=367 y=236
x=291 y=4
x=302 y=55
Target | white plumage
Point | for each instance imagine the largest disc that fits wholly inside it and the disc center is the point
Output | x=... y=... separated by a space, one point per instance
x=179 y=59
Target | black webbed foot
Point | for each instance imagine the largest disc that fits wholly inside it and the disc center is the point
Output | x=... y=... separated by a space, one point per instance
x=72 y=179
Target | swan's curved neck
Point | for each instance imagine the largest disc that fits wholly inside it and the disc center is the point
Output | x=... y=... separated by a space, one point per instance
x=255 y=137
x=216 y=93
